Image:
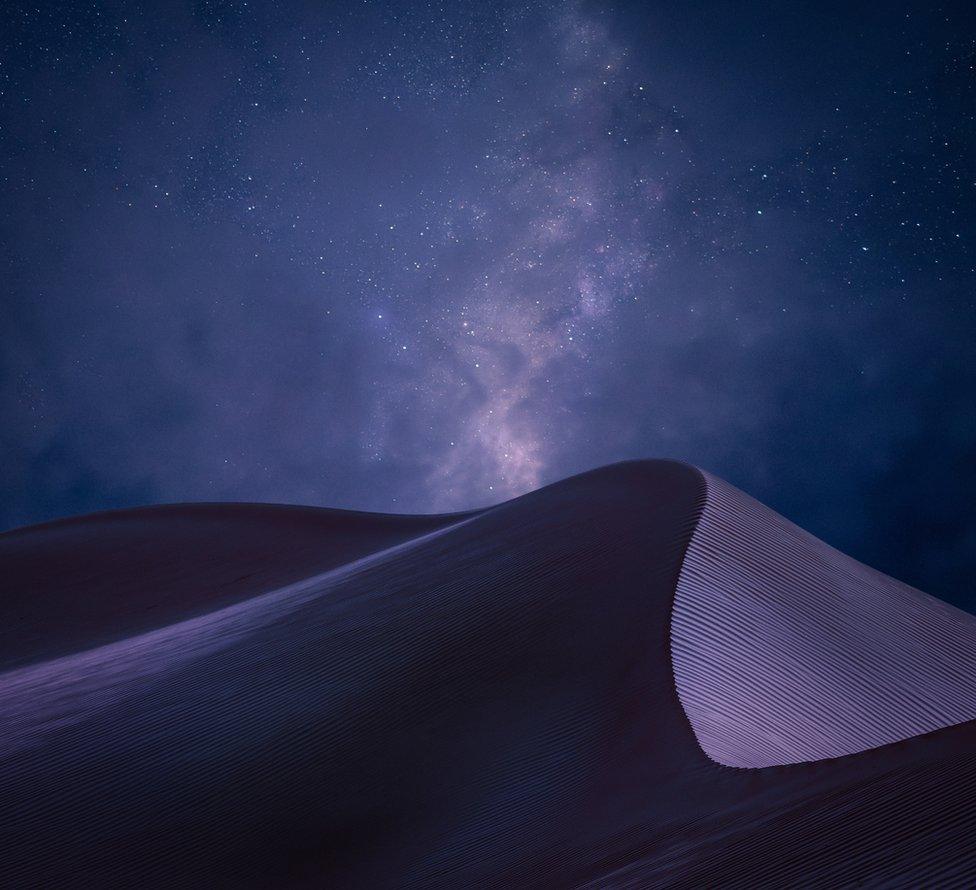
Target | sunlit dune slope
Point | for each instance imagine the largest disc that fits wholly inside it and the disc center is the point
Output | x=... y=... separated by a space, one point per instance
x=624 y=679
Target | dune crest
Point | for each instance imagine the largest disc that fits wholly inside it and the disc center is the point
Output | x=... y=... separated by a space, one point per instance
x=538 y=694
x=786 y=650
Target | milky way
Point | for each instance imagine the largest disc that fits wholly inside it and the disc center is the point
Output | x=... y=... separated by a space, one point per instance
x=416 y=257
x=562 y=230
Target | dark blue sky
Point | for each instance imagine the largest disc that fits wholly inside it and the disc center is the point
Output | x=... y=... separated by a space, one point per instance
x=417 y=257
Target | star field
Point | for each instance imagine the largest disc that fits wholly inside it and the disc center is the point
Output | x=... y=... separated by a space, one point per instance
x=428 y=256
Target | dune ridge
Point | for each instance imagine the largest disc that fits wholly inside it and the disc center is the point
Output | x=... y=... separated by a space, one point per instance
x=786 y=650
x=285 y=697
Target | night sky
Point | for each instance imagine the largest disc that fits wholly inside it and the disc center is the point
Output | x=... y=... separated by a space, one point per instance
x=423 y=257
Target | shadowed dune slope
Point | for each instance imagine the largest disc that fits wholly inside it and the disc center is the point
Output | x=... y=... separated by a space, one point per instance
x=75 y=583
x=276 y=697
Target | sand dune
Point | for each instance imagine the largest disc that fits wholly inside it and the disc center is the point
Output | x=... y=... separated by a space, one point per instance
x=635 y=677
x=786 y=650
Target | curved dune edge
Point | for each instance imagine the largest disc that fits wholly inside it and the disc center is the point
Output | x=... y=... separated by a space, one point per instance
x=785 y=650
x=363 y=701
x=478 y=706
x=62 y=692
x=78 y=583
